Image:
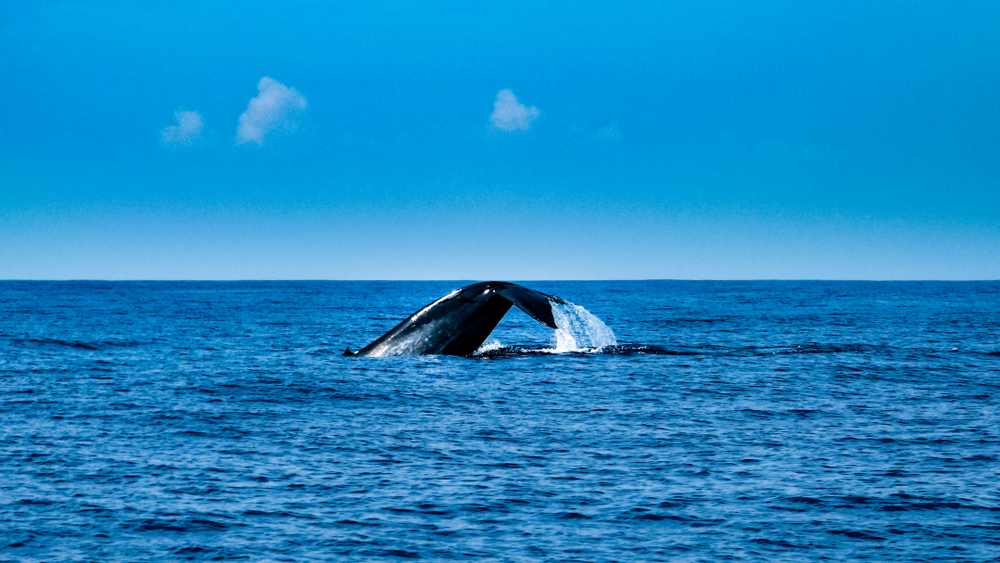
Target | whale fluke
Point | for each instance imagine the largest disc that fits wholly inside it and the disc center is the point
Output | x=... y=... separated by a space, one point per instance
x=458 y=323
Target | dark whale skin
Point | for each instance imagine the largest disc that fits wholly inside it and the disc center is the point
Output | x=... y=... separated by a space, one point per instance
x=458 y=323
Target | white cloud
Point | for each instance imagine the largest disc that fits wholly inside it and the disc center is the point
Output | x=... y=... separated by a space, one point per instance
x=186 y=132
x=511 y=115
x=610 y=133
x=274 y=109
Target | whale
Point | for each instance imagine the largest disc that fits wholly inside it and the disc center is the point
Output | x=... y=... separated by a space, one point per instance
x=458 y=323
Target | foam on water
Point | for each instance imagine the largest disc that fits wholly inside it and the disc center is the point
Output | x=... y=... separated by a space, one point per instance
x=490 y=345
x=579 y=330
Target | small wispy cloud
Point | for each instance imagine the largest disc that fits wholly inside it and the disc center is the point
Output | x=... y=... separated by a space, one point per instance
x=610 y=133
x=510 y=115
x=186 y=133
x=274 y=109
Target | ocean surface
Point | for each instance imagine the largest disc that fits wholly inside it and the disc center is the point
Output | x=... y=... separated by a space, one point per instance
x=730 y=421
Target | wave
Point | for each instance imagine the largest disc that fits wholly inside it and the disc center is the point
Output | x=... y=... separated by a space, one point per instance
x=78 y=344
x=494 y=349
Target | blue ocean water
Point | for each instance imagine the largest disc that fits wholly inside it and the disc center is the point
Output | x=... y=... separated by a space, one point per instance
x=749 y=421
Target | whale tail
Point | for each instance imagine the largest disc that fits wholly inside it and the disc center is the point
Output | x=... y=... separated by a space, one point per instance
x=458 y=323
x=534 y=303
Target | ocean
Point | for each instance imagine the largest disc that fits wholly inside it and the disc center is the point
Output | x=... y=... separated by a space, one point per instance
x=721 y=421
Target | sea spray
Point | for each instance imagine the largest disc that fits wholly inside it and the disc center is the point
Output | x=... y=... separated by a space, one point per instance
x=579 y=330
x=491 y=345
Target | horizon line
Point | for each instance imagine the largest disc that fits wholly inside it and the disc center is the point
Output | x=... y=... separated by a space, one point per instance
x=244 y=280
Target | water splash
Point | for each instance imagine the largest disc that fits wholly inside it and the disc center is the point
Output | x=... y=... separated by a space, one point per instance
x=579 y=330
x=491 y=345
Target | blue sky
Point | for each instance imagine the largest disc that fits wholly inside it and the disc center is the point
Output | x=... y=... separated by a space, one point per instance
x=511 y=140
